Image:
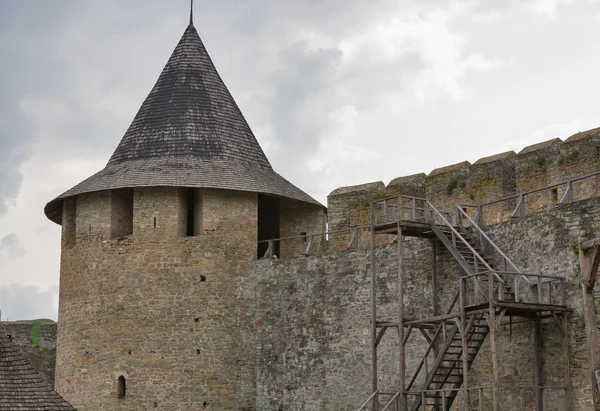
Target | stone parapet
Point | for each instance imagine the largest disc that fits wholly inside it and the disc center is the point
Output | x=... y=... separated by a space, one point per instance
x=446 y=186
x=536 y=167
x=350 y=207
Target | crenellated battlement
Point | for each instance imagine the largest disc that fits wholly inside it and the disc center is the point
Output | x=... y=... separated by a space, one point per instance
x=486 y=180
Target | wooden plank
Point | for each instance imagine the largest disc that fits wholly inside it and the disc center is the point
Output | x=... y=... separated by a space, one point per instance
x=402 y=358
x=431 y=320
x=514 y=307
x=567 y=371
x=537 y=361
x=374 y=314
x=493 y=351
x=588 y=261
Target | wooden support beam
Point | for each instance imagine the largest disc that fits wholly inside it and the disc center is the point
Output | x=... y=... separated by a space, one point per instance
x=427 y=337
x=380 y=336
x=537 y=361
x=589 y=260
x=402 y=359
x=493 y=349
x=462 y=326
x=374 y=314
x=567 y=371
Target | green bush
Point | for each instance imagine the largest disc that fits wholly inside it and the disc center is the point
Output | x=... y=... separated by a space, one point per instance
x=452 y=184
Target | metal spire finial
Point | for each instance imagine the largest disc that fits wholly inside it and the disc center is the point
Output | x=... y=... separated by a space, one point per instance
x=191 y=11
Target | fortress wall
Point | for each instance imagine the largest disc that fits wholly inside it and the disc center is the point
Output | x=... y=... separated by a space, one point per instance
x=493 y=178
x=447 y=186
x=297 y=218
x=413 y=186
x=48 y=335
x=169 y=313
x=580 y=155
x=350 y=207
x=313 y=350
x=489 y=178
x=20 y=333
x=536 y=166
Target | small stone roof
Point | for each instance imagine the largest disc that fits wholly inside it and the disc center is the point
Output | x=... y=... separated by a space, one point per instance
x=541 y=146
x=449 y=169
x=495 y=157
x=420 y=177
x=23 y=389
x=189 y=132
x=583 y=134
x=367 y=187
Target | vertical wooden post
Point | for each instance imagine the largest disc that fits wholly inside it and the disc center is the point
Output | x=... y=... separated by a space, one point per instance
x=537 y=360
x=402 y=358
x=374 y=313
x=565 y=327
x=493 y=349
x=434 y=289
x=434 y=286
x=589 y=260
x=465 y=350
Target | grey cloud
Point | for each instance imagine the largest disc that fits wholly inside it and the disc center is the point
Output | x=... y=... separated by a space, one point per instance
x=300 y=115
x=11 y=246
x=26 y=68
x=27 y=302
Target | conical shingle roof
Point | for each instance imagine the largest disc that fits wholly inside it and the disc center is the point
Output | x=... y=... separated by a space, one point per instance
x=189 y=132
x=23 y=389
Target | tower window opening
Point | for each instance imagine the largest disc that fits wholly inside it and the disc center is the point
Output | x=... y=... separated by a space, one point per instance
x=191 y=206
x=121 y=221
x=268 y=223
x=193 y=212
x=122 y=387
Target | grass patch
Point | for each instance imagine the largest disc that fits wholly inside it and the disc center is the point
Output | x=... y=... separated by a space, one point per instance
x=451 y=186
x=381 y=195
x=35 y=331
x=541 y=162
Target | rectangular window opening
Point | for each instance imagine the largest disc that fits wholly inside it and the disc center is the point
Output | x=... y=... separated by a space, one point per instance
x=121 y=223
x=268 y=223
x=191 y=208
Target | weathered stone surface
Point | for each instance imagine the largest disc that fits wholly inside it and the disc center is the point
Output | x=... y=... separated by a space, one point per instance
x=314 y=314
x=165 y=311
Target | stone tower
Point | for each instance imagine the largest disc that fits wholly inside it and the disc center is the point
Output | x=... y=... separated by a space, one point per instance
x=155 y=299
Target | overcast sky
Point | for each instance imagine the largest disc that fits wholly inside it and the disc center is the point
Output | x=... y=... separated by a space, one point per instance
x=338 y=92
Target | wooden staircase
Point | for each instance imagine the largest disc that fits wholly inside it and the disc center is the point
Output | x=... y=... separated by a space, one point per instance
x=446 y=374
x=491 y=288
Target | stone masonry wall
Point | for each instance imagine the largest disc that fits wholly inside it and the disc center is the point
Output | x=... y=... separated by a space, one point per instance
x=169 y=313
x=313 y=351
x=297 y=218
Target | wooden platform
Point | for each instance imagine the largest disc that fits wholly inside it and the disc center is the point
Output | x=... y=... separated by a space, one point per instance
x=514 y=309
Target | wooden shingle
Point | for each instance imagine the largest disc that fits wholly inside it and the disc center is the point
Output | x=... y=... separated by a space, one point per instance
x=21 y=388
